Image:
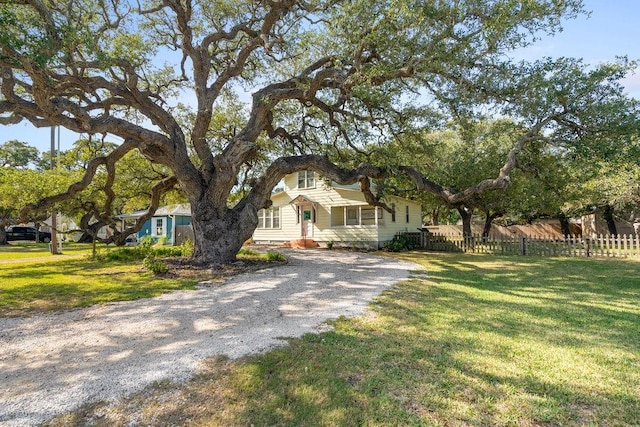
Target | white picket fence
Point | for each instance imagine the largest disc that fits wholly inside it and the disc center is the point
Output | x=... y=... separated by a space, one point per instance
x=621 y=246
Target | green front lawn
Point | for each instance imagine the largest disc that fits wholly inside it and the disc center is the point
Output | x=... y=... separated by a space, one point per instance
x=32 y=280
x=22 y=250
x=470 y=340
x=64 y=283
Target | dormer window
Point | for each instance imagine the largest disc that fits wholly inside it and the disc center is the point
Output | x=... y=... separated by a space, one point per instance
x=306 y=179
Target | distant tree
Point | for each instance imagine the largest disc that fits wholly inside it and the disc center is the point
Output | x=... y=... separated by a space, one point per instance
x=561 y=108
x=614 y=189
x=544 y=181
x=20 y=187
x=18 y=154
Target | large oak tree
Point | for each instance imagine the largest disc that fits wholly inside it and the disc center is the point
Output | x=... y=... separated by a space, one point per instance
x=322 y=76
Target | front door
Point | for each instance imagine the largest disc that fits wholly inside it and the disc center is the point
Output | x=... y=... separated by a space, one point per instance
x=306 y=221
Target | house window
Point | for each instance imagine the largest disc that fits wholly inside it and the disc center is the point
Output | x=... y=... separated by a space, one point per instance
x=356 y=215
x=393 y=214
x=352 y=215
x=306 y=179
x=368 y=216
x=269 y=218
x=406 y=210
x=158 y=227
x=337 y=216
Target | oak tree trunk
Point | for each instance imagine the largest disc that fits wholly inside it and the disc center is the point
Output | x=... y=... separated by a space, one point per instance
x=435 y=216
x=85 y=238
x=466 y=214
x=564 y=224
x=218 y=238
x=488 y=222
x=608 y=217
x=3 y=236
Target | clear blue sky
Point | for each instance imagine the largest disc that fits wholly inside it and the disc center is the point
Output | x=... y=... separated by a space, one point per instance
x=613 y=29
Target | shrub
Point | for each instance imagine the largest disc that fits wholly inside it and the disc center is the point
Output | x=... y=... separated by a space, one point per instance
x=330 y=245
x=154 y=264
x=248 y=252
x=166 y=251
x=98 y=255
x=187 y=248
x=145 y=243
x=125 y=254
x=275 y=256
x=145 y=248
x=399 y=243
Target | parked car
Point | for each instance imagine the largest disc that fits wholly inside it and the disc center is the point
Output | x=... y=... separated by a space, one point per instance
x=131 y=240
x=27 y=233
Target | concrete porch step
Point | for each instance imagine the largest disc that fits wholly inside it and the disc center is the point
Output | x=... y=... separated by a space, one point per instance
x=301 y=244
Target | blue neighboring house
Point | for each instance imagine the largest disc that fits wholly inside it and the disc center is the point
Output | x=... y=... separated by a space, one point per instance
x=173 y=222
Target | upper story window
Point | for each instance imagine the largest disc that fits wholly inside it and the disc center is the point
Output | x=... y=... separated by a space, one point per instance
x=306 y=179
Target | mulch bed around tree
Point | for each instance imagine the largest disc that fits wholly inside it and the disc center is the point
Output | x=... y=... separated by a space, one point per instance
x=182 y=268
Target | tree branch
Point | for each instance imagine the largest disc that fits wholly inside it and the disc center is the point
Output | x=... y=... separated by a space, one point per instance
x=260 y=193
x=77 y=187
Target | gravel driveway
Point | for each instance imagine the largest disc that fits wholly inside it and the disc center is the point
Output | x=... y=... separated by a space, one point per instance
x=53 y=363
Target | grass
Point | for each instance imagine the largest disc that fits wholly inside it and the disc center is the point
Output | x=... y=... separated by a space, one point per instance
x=38 y=286
x=32 y=280
x=470 y=340
x=19 y=250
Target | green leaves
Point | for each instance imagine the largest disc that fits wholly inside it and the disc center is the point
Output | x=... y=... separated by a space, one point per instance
x=20 y=187
x=339 y=78
x=17 y=154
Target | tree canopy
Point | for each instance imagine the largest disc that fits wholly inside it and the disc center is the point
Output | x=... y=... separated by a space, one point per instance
x=17 y=154
x=309 y=79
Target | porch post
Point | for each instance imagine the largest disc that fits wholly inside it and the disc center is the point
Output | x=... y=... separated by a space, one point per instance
x=173 y=230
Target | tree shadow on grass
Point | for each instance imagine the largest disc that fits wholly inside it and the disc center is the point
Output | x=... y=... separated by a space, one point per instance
x=533 y=316
x=42 y=287
x=480 y=344
x=117 y=349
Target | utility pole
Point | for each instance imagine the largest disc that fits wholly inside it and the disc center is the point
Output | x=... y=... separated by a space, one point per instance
x=54 y=214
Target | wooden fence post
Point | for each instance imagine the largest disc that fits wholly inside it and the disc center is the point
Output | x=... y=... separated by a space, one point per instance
x=587 y=247
x=523 y=244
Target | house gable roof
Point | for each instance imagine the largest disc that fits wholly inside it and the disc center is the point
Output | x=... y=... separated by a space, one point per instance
x=301 y=199
x=183 y=209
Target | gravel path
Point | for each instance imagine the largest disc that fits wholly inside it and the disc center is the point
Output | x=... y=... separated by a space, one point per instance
x=53 y=363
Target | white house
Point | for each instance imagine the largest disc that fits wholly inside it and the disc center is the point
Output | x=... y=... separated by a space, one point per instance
x=313 y=210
